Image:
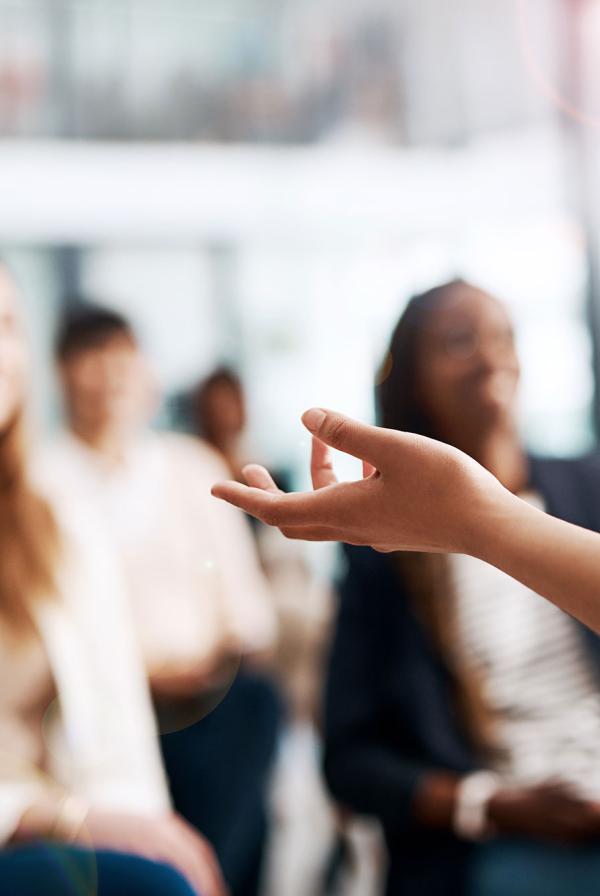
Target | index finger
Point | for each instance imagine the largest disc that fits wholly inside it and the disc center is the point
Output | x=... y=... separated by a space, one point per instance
x=367 y=443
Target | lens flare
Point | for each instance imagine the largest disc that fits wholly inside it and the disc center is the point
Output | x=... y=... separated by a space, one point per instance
x=541 y=78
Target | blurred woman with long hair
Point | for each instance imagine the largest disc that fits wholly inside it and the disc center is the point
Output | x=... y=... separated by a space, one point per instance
x=83 y=801
x=462 y=711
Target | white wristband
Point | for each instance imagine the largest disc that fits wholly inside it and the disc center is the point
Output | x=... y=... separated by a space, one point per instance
x=470 y=820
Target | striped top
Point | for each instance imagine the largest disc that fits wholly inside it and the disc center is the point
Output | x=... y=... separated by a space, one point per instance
x=536 y=674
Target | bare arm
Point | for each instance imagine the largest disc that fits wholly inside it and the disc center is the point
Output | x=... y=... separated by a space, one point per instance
x=421 y=495
x=556 y=559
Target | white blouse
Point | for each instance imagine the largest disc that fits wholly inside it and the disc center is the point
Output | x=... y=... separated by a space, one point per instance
x=189 y=561
x=75 y=710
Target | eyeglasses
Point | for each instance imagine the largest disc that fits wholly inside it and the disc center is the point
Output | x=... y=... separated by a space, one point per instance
x=463 y=343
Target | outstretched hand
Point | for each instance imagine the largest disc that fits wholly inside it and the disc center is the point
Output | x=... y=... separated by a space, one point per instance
x=421 y=495
x=415 y=494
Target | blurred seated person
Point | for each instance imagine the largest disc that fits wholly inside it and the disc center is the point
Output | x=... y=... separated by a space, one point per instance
x=201 y=605
x=83 y=796
x=462 y=711
x=220 y=417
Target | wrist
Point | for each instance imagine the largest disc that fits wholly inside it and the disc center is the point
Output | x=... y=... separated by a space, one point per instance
x=505 y=809
x=52 y=817
x=493 y=525
x=435 y=799
x=70 y=819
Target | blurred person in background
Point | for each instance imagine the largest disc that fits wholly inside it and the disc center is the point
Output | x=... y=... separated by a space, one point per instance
x=220 y=416
x=462 y=711
x=83 y=796
x=201 y=604
x=218 y=409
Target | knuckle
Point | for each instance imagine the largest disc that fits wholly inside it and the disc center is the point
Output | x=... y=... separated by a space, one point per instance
x=270 y=517
x=335 y=432
x=289 y=533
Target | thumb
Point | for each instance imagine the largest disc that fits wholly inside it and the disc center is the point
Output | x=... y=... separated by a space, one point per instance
x=367 y=443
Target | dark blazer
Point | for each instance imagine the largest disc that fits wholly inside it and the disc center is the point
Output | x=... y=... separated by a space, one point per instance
x=389 y=715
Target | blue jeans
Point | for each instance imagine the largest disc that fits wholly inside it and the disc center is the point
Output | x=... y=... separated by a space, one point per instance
x=529 y=868
x=219 y=770
x=51 y=870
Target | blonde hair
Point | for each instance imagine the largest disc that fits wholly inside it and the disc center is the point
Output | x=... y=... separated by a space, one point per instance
x=29 y=542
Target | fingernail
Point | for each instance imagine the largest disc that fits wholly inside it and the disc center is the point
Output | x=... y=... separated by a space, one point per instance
x=313 y=419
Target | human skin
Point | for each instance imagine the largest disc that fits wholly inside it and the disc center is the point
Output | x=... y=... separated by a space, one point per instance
x=421 y=495
x=465 y=381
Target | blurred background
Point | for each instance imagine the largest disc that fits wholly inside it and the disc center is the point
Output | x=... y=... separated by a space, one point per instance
x=276 y=177
x=265 y=183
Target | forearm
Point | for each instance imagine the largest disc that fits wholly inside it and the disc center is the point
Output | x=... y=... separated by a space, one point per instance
x=557 y=560
x=53 y=818
x=435 y=800
x=377 y=781
x=38 y=821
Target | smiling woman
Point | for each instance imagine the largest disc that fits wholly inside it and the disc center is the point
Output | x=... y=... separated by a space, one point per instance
x=477 y=643
x=454 y=376
x=91 y=780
